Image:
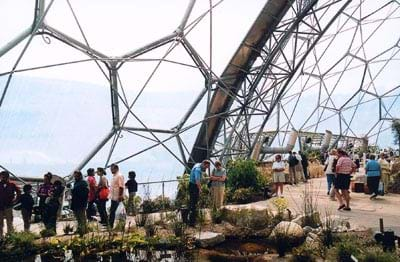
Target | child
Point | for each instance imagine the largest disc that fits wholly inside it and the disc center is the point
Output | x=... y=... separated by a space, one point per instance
x=27 y=206
x=131 y=184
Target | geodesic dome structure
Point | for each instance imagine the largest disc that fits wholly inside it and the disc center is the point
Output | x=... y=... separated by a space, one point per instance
x=309 y=65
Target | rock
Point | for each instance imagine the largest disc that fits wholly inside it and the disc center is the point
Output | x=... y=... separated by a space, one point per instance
x=307 y=229
x=289 y=229
x=256 y=218
x=209 y=239
x=309 y=240
x=299 y=220
x=313 y=236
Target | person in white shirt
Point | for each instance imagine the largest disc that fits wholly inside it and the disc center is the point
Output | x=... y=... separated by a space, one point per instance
x=278 y=167
x=117 y=192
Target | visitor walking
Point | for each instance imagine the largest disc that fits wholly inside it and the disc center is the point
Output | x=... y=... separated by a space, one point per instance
x=278 y=167
x=9 y=195
x=304 y=163
x=80 y=193
x=103 y=192
x=217 y=178
x=117 y=192
x=131 y=184
x=344 y=168
x=27 y=203
x=195 y=189
x=299 y=167
x=385 y=172
x=373 y=173
x=52 y=206
x=44 y=192
x=91 y=209
x=292 y=160
x=330 y=166
x=357 y=162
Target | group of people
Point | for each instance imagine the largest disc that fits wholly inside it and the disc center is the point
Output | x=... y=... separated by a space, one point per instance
x=217 y=186
x=89 y=194
x=86 y=195
x=298 y=170
x=339 y=167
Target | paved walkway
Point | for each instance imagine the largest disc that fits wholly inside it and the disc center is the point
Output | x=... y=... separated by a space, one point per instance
x=365 y=212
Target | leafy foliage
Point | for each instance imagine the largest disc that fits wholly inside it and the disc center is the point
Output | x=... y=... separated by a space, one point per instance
x=396 y=131
x=242 y=195
x=244 y=174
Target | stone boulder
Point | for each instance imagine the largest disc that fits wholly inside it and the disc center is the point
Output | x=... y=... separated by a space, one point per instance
x=244 y=216
x=209 y=239
x=289 y=229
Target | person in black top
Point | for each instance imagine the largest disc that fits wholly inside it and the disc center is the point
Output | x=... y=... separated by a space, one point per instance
x=52 y=205
x=131 y=184
x=304 y=163
x=292 y=160
x=79 y=202
x=27 y=203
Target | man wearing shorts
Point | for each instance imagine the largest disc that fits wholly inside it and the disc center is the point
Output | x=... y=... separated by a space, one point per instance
x=279 y=176
x=344 y=167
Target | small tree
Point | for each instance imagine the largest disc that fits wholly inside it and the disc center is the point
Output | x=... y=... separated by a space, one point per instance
x=396 y=131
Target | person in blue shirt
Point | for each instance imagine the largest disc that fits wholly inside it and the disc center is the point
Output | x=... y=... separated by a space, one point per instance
x=195 y=189
x=373 y=173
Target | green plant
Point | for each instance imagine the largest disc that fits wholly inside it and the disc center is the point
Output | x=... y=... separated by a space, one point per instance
x=205 y=197
x=182 y=196
x=396 y=132
x=47 y=233
x=327 y=229
x=68 y=228
x=178 y=228
x=242 y=195
x=345 y=250
x=148 y=206
x=377 y=255
x=120 y=226
x=216 y=215
x=150 y=228
x=20 y=241
x=305 y=253
x=141 y=219
x=162 y=203
x=244 y=174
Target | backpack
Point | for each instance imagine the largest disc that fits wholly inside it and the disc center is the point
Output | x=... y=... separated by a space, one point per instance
x=103 y=193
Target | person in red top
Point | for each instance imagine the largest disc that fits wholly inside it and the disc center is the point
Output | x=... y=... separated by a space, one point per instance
x=91 y=210
x=9 y=195
x=344 y=168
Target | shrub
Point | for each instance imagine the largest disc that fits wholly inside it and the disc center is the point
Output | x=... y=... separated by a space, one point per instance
x=148 y=206
x=47 y=233
x=242 y=195
x=178 y=228
x=162 y=203
x=377 y=255
x=244 y=174
x=305 y=253
x=182 y=196
x=345 y=250
x=216 y=215
x=205 y=197
x=21 y=240
x=394 y=185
